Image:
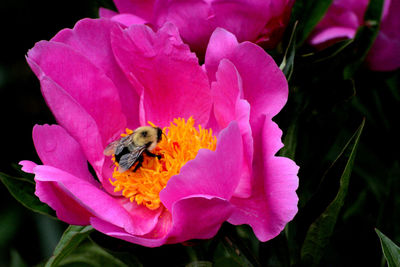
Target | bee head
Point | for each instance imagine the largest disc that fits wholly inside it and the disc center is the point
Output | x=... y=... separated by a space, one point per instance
x=159 y=134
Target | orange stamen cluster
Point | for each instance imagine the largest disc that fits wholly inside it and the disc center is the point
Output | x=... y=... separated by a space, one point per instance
x=181 y=145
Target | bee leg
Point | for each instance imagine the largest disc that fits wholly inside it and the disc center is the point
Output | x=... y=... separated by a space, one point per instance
x=139 y=163
x=152 y=154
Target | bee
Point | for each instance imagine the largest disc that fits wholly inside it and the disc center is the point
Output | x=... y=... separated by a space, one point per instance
x=129 y=149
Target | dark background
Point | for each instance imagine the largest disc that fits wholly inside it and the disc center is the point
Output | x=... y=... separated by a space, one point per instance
x=326 y=109
x=24 y=22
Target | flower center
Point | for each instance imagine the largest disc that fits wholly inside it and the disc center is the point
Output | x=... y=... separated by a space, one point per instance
x=181 y=145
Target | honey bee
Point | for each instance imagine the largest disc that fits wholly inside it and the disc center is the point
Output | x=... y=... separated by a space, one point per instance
x=129 y=149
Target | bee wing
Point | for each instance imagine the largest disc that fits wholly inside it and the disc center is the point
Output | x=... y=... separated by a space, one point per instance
x=111 y=148
x=129 y=159
x=116 y=147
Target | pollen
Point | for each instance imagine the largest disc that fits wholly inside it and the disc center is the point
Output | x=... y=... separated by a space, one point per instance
x=181 y=144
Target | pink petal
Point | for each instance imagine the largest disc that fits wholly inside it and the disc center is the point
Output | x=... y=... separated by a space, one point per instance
x=80 y=125
x=99 y=203
x=91 y=38
x=128 y=19
x=57 y=148
x=67 y=208
x=264 y=85
x=222 y=44
x=186 y=215
x=88 y=92
x=228 y=106
x=141 y=8
x=246 y=19
x=193 y=18
x=27 y=166
x=341 y=21
x=118 y=232
x=83 y=81
x=332 y=34
x=274 y=201
x=385 y=52
x=214 y=173
x=198 y=218
x=106 y=13
x=173 y=82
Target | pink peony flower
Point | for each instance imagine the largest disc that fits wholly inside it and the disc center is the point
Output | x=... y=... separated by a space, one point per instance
x=342 y=20
x=218 y=160
x=259 y=21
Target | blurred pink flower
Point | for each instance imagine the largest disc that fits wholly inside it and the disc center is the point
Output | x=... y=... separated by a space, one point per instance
x=259 y=21
x=100 y=78
x=342 y=20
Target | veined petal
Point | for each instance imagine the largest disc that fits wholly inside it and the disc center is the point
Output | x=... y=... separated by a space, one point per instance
x=91 y=38
x=174 y=85
x=83 y=81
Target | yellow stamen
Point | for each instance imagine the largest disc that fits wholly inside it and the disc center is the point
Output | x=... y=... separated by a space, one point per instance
x=181 y=145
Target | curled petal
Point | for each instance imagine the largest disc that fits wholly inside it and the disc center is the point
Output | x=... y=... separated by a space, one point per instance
x=67 y=208
x=100 y=204
x=186 y=215
x=273 y=202
x=227 y=92
x=201 y=176
x=263 y=81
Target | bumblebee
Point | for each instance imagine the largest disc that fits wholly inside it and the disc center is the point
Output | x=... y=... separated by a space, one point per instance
x=129 y=149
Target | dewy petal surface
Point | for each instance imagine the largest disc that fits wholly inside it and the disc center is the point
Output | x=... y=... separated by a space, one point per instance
x=57 y=148
x=174 y=85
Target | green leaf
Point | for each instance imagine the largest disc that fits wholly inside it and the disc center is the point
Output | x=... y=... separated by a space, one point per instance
x=287 y=64
x=200 y=264
x=320 y=231
x=16 y=259
x=308 y=13
x=390 y=250
x=228 y=253
x=23 y=190
x=364 y=38
x=90 y=254
x=290 y=142
x=71 y=238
